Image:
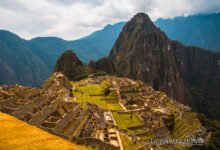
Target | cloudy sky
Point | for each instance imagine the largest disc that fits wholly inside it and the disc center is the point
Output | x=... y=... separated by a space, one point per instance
x=72 y=19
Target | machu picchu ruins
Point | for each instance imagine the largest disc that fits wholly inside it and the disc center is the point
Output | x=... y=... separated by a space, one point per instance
x=103 y=112
x=138 y=84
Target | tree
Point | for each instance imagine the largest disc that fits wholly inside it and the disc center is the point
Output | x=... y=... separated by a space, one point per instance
x=169 y=122
x=131 y=117
x=131 y=102
x=123 y=96
x=71 y=94
x=107 y=91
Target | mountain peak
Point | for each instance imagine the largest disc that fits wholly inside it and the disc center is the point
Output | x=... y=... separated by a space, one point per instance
x=71 y=66
x=139 y=31
x=142 y=19
x=144 y=52
x=67 y=59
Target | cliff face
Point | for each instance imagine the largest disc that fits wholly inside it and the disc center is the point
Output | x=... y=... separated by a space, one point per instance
x=200 y=70
x=143 y=52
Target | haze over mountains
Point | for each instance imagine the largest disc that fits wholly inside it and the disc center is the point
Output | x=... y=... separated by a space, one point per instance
x=143 y=52
x=197 y=30
x=125 y=99
x=30 y=62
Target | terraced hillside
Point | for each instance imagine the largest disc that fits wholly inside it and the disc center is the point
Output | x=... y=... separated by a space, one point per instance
x=88 y=91
x=139 y=113
x=103 y=112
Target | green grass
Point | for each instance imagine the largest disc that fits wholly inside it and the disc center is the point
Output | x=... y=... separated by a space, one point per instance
x=127 y=144
x=89 y=90
x=104 y=84
x=147 y=137
x=189 y=125
x=123 y=120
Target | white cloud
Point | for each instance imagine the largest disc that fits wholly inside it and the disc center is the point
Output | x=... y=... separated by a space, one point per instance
x=72 y=19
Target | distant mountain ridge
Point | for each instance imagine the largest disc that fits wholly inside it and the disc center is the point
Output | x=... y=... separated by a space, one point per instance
x=19 y=57
x=18 y=64
x=30 y=62
x=201 y=30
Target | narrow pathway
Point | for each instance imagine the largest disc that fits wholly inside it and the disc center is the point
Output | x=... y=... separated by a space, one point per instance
x=117 y=133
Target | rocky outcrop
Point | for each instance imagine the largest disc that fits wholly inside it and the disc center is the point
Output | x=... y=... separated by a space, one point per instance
x=191 y=75
x=71 y=66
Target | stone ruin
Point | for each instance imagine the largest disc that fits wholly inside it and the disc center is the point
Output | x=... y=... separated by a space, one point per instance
x=49 y=111
x=97 y=129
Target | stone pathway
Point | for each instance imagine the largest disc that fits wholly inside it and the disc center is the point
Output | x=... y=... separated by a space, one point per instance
x=117 y=133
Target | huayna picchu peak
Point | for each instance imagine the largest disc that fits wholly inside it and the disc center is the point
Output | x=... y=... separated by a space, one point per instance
x=149 y=93
x=142 y=21
x=191 y=75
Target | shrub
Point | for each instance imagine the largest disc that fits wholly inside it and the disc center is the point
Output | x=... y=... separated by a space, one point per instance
x=169 y=122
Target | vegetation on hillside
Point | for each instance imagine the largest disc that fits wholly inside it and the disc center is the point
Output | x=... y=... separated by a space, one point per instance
x=103 y=64
x=170 y=122
x=214 y=128
x=30 y=62
x=71 y=66
x=199 y=30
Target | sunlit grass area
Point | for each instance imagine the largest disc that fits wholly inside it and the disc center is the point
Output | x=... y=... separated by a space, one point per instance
x=128 y=144
x=15 y=134
x=95 y=93
x=124 y=121
x=90 y=89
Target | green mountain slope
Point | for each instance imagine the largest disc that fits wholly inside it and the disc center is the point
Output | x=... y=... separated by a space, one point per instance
x=18 y=63
x=31 y=62
x=196 y=30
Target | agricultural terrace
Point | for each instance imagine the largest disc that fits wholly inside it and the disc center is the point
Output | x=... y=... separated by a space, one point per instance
x=128 y=91
x=95 y=93
x=128 y=144
x=135 y=126
x=124 y=121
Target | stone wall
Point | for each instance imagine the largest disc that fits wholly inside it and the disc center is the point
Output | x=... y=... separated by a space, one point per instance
x=39 y=117
x=82 y=127
x=66 y=120
x=79 y=119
